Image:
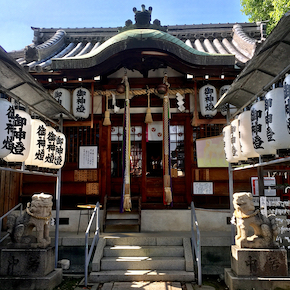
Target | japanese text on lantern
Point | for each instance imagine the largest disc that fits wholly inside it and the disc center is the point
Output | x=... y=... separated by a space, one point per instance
x=81 y=101
x=208 y=98
x=40 y=142
x=50 y=147
x=58 y=150
x=256 y=128
x=8 y=143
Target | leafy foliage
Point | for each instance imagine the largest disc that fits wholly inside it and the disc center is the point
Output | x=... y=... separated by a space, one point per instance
x=265 y=10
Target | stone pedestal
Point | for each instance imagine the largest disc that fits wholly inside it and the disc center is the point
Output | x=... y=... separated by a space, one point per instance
x=29 y=269
x=259 y=262
x=257 y=268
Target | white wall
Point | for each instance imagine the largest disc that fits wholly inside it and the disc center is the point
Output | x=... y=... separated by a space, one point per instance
x=158 y=220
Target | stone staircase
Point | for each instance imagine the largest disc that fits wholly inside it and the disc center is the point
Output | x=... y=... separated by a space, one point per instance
x=142 y=259
x=116 y=221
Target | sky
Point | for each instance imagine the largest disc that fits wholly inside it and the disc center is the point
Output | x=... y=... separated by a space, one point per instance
x=18 y=16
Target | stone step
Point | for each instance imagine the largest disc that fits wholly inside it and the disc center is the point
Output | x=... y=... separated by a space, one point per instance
x=143 y=251
x=121 y=222
x=140 y=275
x=118 y=215
x=145 y=241
x=143 y=263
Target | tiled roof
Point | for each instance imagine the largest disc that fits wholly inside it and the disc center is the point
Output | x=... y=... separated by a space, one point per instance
x=240 y=40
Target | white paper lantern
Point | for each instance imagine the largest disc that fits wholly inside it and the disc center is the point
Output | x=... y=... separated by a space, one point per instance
x=37 y=146
x=245 y=129
x=81 y=103
x=63 y=97
x=228 y=145
x=235 y=141
x=6 y=127
x=286 y=87
x=259 y=130
x=207 y=100
x=224 y=108
x=49 y=151
x=59 y=156
x=21 y=137
x=275 y=118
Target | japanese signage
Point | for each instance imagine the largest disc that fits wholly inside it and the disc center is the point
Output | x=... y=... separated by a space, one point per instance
x=88 y=157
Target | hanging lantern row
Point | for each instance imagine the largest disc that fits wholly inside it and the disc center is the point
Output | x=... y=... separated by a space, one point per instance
x=208 y=99
x=27 y=140
x=264 y=130
x=81 y=101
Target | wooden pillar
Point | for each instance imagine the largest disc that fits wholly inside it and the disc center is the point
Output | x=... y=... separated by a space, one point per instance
x=105 y=160
x=187 y=150
x=144 y=164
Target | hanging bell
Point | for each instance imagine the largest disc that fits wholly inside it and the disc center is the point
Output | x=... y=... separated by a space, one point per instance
x=120 y=88
x=162 y=89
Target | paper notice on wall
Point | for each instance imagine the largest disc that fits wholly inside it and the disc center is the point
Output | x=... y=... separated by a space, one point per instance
x=88 y=157
x=269 y=182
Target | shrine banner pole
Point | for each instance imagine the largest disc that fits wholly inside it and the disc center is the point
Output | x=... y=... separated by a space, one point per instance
x=126 y=205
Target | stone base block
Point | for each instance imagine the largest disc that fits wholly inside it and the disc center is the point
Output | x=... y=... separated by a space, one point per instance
x=259 y=262
x=245 y=283
x=27 y=262
x=49 y=282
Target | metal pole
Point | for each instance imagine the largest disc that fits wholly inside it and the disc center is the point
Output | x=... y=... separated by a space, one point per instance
x=231 y=188
x=231 y=194
x=57 y=205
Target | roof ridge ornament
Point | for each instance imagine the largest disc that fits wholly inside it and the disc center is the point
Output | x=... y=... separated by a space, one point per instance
x=142 y=20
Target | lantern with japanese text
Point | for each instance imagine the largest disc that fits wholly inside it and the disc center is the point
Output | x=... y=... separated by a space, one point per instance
x=59 y=156
x=259 y=130
x=207 y=101
x=286 y=87
x=63 y=97
x=6 y=127
x=245 y=130
x=235 y=141
x=20 y=146
x=228 y=145
x=275 y=118
x=37 y=146
x=81 y=103
x=49 y=151
x=224 y=108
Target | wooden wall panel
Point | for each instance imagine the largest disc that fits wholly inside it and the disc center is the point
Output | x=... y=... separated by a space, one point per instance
x=10 y=189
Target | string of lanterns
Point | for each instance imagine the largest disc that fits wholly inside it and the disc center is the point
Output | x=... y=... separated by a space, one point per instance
x=263 y=130
x=23 y=139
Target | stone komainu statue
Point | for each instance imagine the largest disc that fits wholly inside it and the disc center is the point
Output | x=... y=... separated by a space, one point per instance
x=37 y=215
x=245 y=216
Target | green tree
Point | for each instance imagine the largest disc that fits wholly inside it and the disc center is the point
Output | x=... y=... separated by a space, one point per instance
x=265 y=10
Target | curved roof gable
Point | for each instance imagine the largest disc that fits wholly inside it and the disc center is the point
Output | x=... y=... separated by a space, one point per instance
x=143 y=39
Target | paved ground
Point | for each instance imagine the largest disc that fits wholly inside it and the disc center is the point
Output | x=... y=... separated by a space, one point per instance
x=77 y=283
x=147 y=286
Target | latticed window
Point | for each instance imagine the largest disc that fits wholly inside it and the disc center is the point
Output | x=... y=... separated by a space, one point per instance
x=117 y=151
x=79 y=136
x=177 y=149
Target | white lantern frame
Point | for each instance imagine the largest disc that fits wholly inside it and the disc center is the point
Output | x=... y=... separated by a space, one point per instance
x=81 y=103
x=207 y=100
x=21 y=137
x=38 y=133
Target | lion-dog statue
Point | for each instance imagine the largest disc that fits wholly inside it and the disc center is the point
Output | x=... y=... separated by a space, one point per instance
x=37 y=215
x=245 y=216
